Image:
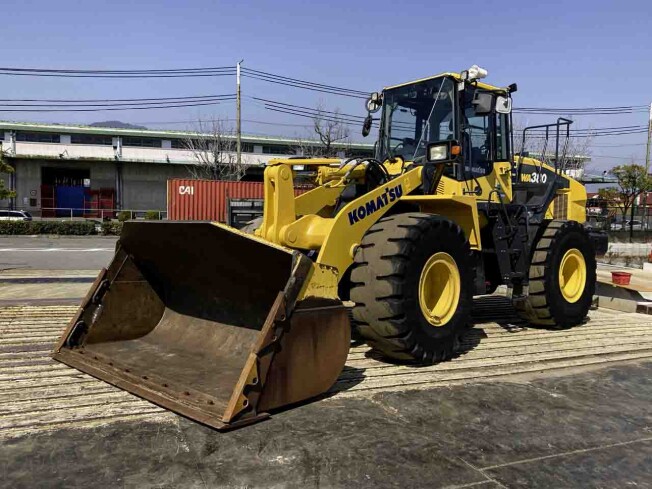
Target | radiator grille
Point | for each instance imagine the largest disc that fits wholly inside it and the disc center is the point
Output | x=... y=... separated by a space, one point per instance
x=561 y=207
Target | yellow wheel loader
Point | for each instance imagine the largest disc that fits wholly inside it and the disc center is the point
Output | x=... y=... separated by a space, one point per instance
x=224 y=326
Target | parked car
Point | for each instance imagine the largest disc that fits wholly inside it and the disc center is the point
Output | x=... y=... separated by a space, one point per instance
x=616 y=226
x=15 y=216
x=620 y=226
x=636 y=225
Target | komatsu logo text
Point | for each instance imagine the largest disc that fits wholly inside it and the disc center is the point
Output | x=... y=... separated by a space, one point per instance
x=390 y=195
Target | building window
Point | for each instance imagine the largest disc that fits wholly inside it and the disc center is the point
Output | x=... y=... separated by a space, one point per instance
x=183 y=144
x=358 y=153
x=278 y=149
x=37 y=137
x=91 y=139
x=141 y=142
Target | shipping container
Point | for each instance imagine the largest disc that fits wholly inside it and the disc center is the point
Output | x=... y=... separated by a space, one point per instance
x=206 y=200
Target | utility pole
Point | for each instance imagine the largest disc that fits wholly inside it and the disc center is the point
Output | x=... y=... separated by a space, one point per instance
x=238 y=126
x=647 y=167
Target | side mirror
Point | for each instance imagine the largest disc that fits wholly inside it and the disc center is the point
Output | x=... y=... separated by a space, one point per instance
x=366 y=126
x=374 y=103
x=503 y=104
x=443 y=152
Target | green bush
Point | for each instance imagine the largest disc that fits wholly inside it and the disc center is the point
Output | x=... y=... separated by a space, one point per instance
x=152 y=215
x=124 y=216
x=69 y=228
x=111 y=228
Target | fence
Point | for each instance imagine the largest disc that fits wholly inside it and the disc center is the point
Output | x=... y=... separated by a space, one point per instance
x=72 y=214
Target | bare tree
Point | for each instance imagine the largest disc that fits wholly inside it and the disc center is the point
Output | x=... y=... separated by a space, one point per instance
x=572 y=153
x=330 y=135
x=214 y=147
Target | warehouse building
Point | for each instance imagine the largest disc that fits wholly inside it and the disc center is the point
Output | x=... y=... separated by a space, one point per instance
x=64 y=169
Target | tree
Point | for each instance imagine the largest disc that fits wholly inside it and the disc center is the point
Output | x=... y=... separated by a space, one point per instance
x=633 y=180
x=214 y=148
x=331 y=135
x=5 y=168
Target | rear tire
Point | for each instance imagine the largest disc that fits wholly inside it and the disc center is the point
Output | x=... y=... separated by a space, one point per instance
x=562 y=277
x=393 y=298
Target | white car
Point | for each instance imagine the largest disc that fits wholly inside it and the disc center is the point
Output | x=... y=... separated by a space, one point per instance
x=15 y=216
x=636 y=225
x=624 y=226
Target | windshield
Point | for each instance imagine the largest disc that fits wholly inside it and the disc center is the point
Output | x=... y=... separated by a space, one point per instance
x=414 y=115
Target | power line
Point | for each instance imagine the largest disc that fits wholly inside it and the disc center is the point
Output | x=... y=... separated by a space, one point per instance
x=325 y=118
x=614 y=157
x=296 y=80
x=169 y=73
x=122 y=104
x=166 y=70
x=306 y=85
x=117 y=99
x=617 y=145
x=582 y=110
x=316 y=111
x=171 y=106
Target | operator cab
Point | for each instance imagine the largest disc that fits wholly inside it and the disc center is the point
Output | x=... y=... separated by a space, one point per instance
x=448 y=110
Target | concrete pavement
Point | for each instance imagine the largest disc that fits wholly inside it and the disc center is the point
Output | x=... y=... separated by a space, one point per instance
x=520 y=407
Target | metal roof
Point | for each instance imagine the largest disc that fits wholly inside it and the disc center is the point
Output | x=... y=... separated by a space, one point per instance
x=154 y=133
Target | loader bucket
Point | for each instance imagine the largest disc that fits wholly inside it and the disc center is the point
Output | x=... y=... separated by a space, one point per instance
x=204 y=320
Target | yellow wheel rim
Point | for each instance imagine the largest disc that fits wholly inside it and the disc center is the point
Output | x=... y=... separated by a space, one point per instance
x=439 y=289
x=572 y=275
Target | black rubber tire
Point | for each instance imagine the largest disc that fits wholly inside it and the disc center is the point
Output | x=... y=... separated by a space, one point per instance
x=252 y=225
x=545 y=304
x=385 y=283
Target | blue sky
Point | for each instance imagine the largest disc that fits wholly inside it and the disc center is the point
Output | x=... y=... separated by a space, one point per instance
x=562 y=54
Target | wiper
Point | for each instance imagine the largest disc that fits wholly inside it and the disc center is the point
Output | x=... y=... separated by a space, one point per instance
x=427 y=122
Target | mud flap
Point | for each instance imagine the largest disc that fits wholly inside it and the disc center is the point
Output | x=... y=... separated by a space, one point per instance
x=204 y=320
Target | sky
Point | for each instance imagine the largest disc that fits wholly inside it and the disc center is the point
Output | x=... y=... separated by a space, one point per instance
x=573 y=53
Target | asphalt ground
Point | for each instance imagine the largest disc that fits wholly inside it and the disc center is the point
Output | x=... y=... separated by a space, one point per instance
x=56 y=252
x=588 y=430
x=519 y=407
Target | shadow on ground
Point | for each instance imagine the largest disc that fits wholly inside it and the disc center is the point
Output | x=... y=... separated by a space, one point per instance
x=586 y=430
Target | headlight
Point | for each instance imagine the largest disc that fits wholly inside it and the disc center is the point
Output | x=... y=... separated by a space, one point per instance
x=446 y=151
x=438 y=152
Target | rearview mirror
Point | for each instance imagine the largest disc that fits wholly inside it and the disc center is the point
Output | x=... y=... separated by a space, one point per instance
x=503 y=104
x=483 y=102
x=374 y=102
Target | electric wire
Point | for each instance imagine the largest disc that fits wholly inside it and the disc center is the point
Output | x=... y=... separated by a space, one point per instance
x=170 y=106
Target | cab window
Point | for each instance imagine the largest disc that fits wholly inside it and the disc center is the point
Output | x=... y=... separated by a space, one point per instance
x=476 y=141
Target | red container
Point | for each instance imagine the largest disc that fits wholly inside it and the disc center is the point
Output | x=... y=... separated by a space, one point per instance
x=205 y=200
x=621 y=278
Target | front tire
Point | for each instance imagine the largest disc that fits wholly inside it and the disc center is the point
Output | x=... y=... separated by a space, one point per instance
x=412 y=284
x=562 y=277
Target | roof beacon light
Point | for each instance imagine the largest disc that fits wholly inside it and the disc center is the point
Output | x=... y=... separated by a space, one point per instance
x=474 y=73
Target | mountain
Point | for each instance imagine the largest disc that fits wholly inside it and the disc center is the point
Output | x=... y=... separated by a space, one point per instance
x=116 y=125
